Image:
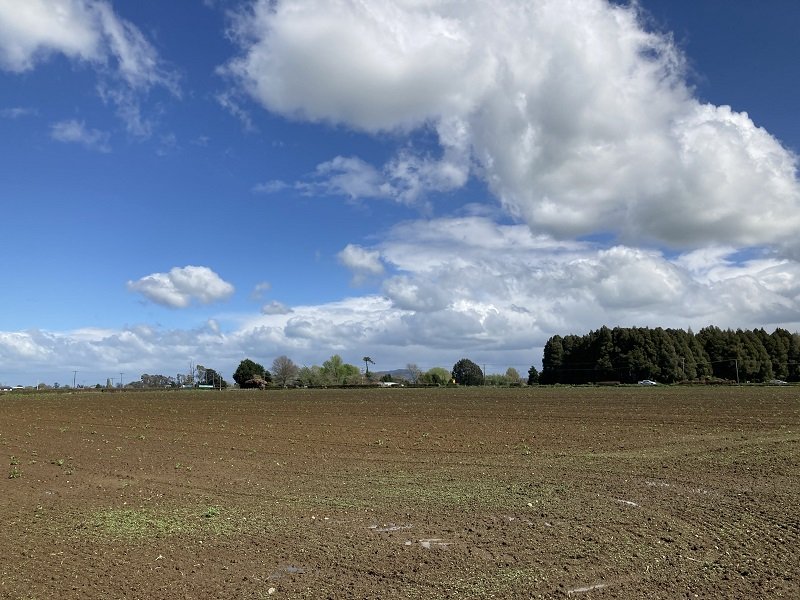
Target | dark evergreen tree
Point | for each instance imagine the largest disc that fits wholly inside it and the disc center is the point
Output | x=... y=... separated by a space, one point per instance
x=645 y=355
x=249 y=371
x=466 y=372
x=552 y=361
x=603 y=352
x=780 y=343
x=794 y=358
x=715 y=344
x=682 y=343
x=701 y=360
x=668 y=363
x=757 y=363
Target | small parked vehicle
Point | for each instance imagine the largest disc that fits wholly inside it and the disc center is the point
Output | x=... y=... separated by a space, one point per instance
x=648 y=382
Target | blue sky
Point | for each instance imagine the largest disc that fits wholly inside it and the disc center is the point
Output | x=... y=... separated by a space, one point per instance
x=416 y=181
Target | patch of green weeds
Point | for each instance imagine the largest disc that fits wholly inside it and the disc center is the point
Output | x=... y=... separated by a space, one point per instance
x=505 y=583
x=14 y=473
x=14 y=460
x=137 y=524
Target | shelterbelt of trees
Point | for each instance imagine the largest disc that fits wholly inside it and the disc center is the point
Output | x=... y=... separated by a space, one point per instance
x=630 y=354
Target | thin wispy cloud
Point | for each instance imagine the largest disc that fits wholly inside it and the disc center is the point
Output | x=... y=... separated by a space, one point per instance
x=91 y=33
x=275 y=308
x=76 y=132
x=18 y=112
x=406 y=179
x=260 y=289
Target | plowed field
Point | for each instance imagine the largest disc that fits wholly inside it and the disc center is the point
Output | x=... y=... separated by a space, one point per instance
x=401 y=493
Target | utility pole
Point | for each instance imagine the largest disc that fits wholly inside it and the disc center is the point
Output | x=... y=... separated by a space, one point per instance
x=74 y=375
x=736 y=362
x=120 y=379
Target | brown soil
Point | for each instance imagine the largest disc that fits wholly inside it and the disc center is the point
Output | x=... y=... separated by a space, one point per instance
x=395 y=493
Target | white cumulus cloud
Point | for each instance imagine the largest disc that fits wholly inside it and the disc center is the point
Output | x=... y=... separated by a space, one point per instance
x=494 y=293
x=519 y=286
x=576 y=116
x=181 y=286
x=363 y=263
x=31 y=30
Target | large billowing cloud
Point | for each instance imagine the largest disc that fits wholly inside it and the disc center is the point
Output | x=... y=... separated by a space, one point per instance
x=468 y=286
x=576 y=116
x=452 y=287
x=88 y=31
x=181 y=286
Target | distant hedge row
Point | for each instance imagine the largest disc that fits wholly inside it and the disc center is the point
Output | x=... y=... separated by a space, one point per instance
x=630 y=354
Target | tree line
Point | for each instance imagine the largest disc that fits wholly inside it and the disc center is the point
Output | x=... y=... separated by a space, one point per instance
x=630 y=354
x=623 y=354
x=335 y=372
